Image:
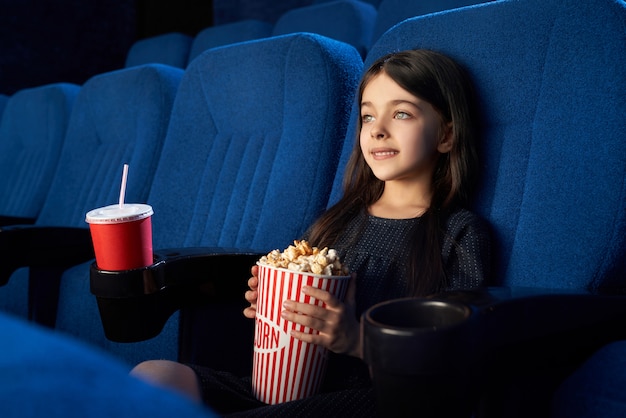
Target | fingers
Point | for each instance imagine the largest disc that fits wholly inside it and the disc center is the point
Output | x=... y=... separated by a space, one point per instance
x=253 y=283
x=321 y=295
x=304 y=309
x=335 y=322
x=249 y=312
x=309 y=338
x=252 y=294
x=312 y=315
x=335 y=330
x=330 y=300
x=309 y=316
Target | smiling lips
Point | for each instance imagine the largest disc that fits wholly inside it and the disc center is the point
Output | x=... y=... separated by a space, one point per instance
x=383 y=153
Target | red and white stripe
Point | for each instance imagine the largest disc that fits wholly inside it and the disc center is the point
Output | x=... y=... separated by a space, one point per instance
x=285 y=368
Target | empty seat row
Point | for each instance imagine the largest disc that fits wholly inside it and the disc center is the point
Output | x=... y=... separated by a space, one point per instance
x=213 y=148
x=114 y=118
x=355 y=22
x=350 y=21
x=32 y=132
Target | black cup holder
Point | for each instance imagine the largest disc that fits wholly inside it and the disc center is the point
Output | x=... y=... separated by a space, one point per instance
x=415 y=315
x=421 y=332
x=135 y=304
x=416 y=350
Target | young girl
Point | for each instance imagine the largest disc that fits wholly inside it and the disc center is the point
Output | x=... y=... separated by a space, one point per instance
x=400 y=227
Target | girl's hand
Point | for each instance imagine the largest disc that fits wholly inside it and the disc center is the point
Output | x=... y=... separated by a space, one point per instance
x=339 y=330
x=251 y=295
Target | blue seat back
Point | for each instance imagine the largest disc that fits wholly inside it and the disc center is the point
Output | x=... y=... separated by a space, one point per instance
x=349 y=21
x=3 y=101
x=550 y=77
x=32 y=132
x=229 y=33
x=374 y=3
x=392 y=12
x=169 y=48
x=119 y=117
x=256 y=142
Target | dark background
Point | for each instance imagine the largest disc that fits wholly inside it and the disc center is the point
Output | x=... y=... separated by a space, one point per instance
x=44 y=41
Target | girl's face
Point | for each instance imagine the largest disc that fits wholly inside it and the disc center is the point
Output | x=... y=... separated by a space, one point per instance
x=401 y=135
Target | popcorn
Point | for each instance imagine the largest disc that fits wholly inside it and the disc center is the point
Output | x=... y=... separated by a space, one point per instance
x=302 y=257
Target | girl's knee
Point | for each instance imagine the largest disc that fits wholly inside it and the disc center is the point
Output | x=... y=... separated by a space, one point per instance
x=169 y=374
x=155 y=368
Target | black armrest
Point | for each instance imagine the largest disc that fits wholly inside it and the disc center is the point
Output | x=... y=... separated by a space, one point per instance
x=135 y=304
x=41 y=246
x=554 y=321
x=15 y=220
x=503 y=334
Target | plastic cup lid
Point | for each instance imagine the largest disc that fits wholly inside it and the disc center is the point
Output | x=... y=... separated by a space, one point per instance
x=113 y=214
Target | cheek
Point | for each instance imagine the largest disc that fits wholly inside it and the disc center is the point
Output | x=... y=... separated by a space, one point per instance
x=363 y=136
x=421 y=142
x=431 y=139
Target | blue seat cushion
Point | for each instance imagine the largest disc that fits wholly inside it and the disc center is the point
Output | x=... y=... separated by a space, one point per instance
x=597 y=388
x=44 y=374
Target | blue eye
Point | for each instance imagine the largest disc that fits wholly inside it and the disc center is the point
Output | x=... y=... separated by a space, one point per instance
x=367 y=118
x=402 y=115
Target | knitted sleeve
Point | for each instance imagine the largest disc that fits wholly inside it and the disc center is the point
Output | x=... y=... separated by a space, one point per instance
x=466 y=251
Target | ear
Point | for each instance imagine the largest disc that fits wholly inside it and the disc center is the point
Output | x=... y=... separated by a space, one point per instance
x=447 y=139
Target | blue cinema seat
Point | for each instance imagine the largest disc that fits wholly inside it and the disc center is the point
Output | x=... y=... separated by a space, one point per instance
x=533 y=165
x=118 y=117
x=596 y=389
x=3 y=101
x=349 y=21
x=248 y=162
x=169 y=49
x=392 y=12
x=550 y=78
x=372 y=2
x=32 y=131
x=228 y=33
x=44 y=374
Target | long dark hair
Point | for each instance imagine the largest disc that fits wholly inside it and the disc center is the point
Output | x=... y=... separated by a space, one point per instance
x=440 y=81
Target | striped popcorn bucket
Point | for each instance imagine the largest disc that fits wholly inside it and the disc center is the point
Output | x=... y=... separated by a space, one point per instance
x=284 y=368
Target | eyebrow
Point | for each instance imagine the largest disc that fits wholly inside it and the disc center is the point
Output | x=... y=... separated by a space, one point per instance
x=395 y=103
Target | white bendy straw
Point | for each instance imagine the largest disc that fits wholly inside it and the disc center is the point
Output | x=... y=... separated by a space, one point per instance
x=123 y=188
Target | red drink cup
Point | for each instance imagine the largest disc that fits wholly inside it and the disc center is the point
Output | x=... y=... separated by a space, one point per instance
x=122 y=236
x=285 y=368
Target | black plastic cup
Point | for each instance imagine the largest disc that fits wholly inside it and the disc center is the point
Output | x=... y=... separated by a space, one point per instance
x=419 y=357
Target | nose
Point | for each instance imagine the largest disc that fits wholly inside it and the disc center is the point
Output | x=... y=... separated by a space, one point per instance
x=378 y=131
